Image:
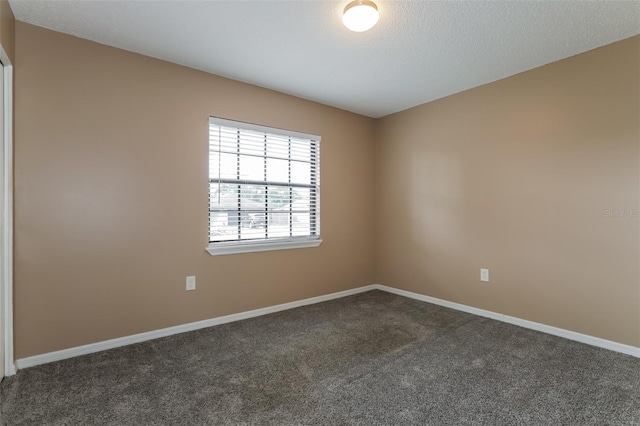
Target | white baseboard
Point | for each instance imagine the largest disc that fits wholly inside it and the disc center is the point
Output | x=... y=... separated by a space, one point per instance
x=32 y=361
x=155 y=334
x=571 y=335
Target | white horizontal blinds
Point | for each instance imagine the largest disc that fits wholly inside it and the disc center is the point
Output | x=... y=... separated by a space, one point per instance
x=263 y=182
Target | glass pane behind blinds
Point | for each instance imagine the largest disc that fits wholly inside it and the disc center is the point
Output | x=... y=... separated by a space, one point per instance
x=262 y=185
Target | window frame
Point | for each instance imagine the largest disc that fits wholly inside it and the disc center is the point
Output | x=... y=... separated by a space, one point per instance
x=236 y=246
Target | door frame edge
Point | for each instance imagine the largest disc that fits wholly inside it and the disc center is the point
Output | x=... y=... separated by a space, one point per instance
x=7 y=213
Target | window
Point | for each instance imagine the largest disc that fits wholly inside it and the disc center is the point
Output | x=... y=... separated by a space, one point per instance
x=264 y=188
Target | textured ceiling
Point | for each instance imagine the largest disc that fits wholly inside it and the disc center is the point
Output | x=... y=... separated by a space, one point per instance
x=418 y=52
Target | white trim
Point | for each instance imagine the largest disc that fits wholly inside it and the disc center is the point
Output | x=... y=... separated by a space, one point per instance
x=260 y=128
x=560 y=332
x=7 y=213
x=142 y=337
x=235 y=247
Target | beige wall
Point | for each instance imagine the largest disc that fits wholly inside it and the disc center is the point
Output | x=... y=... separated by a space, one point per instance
x=7 y=25
x=516 y=176
x=111 y=196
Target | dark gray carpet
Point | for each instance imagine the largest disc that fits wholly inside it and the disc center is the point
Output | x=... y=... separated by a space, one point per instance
x=369 y=359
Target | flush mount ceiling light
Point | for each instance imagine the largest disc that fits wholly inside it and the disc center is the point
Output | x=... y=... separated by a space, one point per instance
x=360 y=15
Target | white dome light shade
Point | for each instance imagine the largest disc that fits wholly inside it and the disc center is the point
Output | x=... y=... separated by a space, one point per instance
x=360 y=15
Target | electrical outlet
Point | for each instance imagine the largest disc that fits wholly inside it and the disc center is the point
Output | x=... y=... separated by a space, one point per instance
x=191 y=282
x=484 y=275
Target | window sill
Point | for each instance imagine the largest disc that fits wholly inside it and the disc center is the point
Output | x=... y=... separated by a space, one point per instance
x=236 y=247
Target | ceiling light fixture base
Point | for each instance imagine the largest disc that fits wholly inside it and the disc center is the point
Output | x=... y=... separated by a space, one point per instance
x=360 y=15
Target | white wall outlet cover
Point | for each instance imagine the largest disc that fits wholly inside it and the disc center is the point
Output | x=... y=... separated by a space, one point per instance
x=191 y=282
x=484 y=275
